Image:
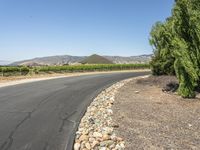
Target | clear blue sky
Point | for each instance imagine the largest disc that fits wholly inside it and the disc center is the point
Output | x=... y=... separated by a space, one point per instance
x=35 y=28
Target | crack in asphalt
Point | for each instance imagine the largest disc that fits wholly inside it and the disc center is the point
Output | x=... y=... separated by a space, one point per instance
x=46 y=146
x=65 y=119
x=8 y=143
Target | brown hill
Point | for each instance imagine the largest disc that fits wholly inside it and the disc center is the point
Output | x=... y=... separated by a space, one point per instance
x=96 y=59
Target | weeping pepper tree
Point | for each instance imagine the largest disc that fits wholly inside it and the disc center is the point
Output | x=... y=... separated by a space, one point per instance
x=161 y=37
x=180 y=41
x=187 y=45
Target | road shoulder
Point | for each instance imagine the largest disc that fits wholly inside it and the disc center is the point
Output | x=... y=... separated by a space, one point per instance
x=14 y=80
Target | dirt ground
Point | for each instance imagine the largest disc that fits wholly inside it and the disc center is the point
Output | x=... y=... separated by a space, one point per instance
x=150 y=119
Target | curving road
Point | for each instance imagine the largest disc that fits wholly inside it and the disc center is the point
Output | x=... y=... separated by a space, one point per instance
x=44 y=115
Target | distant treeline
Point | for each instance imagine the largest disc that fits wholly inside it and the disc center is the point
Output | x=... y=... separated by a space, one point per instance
x=21 y=70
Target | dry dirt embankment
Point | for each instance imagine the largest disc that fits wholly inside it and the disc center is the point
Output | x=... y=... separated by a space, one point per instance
x=153 y=120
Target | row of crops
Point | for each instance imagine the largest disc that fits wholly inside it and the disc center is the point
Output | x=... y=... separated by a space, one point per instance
x=14 y=71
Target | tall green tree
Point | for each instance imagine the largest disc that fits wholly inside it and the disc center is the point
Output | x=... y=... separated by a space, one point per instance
x=161 y=37
x=178 y=38
x=186 y=44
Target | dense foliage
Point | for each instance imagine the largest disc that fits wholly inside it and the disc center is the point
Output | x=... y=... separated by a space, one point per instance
x=8 y=71
x=176 y=44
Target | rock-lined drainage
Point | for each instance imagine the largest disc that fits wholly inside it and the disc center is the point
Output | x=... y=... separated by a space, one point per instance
x=97 y=130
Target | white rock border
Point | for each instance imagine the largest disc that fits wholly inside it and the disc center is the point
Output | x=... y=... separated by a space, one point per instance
x=96 y=129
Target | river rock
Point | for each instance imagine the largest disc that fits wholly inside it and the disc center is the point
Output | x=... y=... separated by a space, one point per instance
x=96 y=129
x=97 y=135
x=77 y=146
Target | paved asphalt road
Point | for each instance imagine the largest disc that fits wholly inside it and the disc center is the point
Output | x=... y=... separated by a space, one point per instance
x=44 y=115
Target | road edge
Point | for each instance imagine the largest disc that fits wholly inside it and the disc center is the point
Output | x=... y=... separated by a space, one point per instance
x=107 y=90
x=57 y=76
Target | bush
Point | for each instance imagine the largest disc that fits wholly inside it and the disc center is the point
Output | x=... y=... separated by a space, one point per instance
x=162 y=67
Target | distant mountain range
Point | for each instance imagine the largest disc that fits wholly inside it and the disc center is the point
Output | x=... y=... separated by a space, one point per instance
x=130 y=60
x=3 y=62
x=50 y=60
x=67 y=59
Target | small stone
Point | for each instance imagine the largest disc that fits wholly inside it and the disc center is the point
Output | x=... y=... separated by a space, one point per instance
x=119 y=139
x=87 y=145
x=80 y=129
x=110 y=111
x=77 y=146
x=112 y=146
x=77 y=141
x=102 y=148
x=91 y=140
x=117 y=146
x=85 y=132
x=106 y=143
x=136 y=92
x=95 y=143
x=106 y=137
x=122 y=145
x=83 y=138
x=91 y=120
x=97 y=135
x=108 y=130
x=113 y=137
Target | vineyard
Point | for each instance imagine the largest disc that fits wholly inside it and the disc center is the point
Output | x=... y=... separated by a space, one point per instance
x=21 y=70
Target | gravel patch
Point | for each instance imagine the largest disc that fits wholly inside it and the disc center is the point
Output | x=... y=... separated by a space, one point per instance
x=97 y=129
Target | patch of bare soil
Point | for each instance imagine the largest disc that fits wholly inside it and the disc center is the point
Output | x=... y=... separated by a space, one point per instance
x=150 y=119
x=159 y=81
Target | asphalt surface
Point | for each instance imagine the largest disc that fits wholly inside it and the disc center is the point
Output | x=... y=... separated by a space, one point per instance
x=44 y=115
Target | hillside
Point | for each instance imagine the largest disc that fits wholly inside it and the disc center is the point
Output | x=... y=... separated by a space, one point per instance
x=96 y=59
x=51 y=60
x=67 y=59
x=130 y=60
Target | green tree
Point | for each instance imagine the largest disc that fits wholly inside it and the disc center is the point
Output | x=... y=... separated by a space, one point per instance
x=161 y=41
x=186 y=43
x=176 y=43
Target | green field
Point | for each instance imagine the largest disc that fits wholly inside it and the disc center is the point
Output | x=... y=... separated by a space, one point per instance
x=16 y=71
